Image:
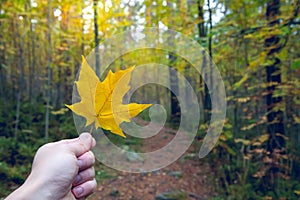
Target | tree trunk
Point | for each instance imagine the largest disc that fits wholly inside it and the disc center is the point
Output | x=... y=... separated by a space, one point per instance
x=207 y=69
x=96 y=33
x=206 y=65
x=275 y=126
x=201 y=25
x=21 y=82
x=48 y=89
x=175 y=109
x=32 y=63
x=82 y=31
x=275 y=118
x=30 y=59
x=2 y=69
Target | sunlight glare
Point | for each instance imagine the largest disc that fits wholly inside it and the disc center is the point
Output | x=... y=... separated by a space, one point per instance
x=34 y=4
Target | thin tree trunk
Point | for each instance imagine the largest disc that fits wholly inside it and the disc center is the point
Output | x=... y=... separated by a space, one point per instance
x=62 y=78
x=82 y=31
x=208 y=70
x=175 y=110
x=188 y=67
x=202 y=33
x=49 y=37
x=2 y=70
x=32 y=81
x=21 y=84
x=31 y=59
x=201 y=25
x=96 y=33
x=275 y=126
x=275 y=118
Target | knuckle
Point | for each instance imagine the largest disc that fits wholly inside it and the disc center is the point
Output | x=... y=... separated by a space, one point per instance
x=46 y=147
x=92 y=172
x=92 y=156
x=83 y=146
x=89 y=173
x=94 y=185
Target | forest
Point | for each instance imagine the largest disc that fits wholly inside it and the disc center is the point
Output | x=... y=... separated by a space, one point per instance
x=252 y=43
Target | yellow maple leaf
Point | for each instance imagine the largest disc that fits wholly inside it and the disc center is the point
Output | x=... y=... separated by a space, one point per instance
x=101 y=102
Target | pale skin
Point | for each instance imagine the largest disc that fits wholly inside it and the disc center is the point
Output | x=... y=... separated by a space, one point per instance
x=61 y=170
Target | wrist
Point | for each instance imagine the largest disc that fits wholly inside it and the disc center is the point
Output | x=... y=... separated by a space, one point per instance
x=32 y=189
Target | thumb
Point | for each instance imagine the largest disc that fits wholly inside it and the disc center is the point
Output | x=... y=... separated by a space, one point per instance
x=82 y=144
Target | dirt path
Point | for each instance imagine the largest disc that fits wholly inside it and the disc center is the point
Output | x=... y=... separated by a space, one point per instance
x=187 y=178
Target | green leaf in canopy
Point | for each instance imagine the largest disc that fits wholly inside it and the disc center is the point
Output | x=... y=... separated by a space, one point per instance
x=296 y=64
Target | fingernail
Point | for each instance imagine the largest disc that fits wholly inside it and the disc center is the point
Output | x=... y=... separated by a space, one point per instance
x=78 y=191
x=79 y=163
x=77 y=179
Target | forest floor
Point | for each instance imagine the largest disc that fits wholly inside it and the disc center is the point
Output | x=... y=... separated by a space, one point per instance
x=187 y=178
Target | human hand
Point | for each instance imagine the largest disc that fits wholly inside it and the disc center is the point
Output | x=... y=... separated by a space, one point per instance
x=61 y=170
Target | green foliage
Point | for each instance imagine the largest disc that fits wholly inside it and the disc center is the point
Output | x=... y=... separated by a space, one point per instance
x=296 y=64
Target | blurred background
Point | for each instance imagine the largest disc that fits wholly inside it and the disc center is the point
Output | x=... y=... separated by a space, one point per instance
x=253 y=43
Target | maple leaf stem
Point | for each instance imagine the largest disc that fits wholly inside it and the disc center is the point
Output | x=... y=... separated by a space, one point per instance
x=92 y=126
